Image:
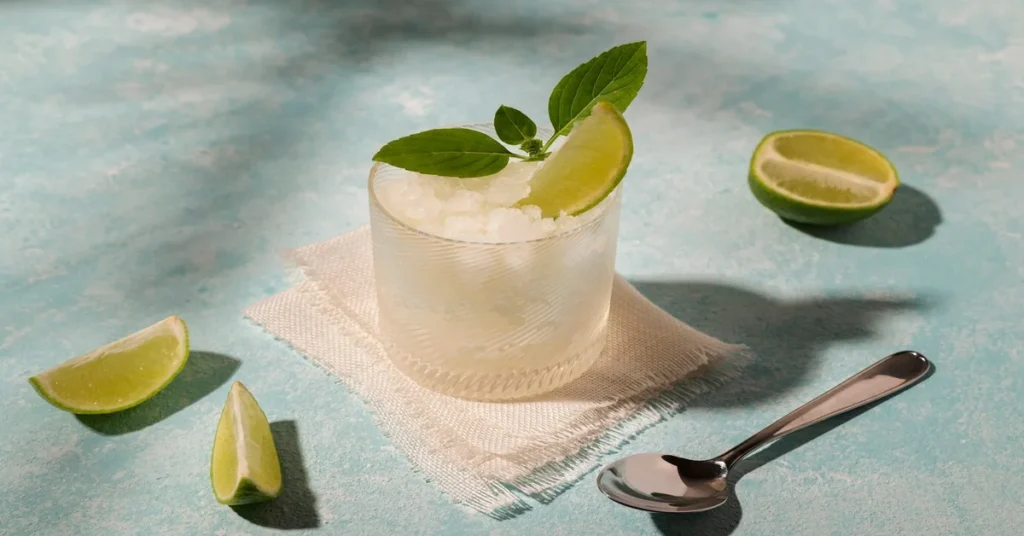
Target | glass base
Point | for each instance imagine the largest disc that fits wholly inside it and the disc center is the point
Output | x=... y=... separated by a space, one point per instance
x=508 y=384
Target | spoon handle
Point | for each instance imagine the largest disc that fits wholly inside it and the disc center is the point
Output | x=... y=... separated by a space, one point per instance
x=887 y=376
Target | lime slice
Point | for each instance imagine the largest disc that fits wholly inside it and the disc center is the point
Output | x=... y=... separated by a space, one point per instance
x=244 y=467
x=119 y=375
x=820 y=178
x=588 y=166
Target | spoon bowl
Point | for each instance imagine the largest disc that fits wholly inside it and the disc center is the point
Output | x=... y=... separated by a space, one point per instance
x=665 y=483
x=669 y=484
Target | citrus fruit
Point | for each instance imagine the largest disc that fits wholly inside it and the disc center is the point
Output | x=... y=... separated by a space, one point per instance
x=587 y=167
x=820 y=178
x=118 y=375
x=244 y=467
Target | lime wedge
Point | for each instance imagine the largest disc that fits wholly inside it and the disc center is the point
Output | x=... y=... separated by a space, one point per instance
x=244 y=467
x=588 y=166
x=118 y=375
x=820 y=178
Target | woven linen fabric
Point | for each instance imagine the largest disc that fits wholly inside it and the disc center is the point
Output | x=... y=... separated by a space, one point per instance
x=493 y=456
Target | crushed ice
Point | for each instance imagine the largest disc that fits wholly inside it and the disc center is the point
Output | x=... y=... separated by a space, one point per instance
x=475 y=210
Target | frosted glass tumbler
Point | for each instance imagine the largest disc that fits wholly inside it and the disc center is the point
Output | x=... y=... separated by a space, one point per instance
x=493 y=321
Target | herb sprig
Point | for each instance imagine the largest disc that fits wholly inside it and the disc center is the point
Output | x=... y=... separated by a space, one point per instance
x=615 y=76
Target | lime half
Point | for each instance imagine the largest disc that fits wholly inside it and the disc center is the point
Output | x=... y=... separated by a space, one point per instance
x=588 y=166
x=119 y=375
x=244 y=467
x=820 y=178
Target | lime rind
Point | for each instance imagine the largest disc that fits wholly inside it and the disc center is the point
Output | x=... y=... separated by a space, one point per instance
x=44 y=383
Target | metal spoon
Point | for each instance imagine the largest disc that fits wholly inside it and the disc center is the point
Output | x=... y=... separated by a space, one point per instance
x=665 y=483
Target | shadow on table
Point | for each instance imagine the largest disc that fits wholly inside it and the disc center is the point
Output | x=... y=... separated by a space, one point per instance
x=390 y=23
x=295 y=508
x=787 y=337
x=790 y=97
x=910 y=218
x=237 y=165
x=726 y=518
x=203 y=373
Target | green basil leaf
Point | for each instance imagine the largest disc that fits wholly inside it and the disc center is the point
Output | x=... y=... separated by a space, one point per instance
x=512 y=126
x=615 y=75
x=449 y=152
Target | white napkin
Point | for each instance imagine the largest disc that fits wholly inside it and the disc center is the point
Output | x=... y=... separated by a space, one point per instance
x=493 y=456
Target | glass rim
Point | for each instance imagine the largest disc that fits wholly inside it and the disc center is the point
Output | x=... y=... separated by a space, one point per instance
x=597 y=212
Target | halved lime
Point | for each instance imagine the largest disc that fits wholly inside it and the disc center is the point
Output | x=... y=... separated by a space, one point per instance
x=588 y=166
x=820 y=178
x=119 y=375
x=244 y=467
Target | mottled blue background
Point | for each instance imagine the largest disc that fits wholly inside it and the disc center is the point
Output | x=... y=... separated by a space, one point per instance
x=156 y=156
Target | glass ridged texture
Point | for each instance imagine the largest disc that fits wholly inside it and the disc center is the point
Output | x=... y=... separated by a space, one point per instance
x=493 y=321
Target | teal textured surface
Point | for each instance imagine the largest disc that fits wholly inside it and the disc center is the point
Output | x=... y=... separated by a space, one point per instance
x=155 y=157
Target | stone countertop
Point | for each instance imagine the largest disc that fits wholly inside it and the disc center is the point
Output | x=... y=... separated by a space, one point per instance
x=155 y=157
